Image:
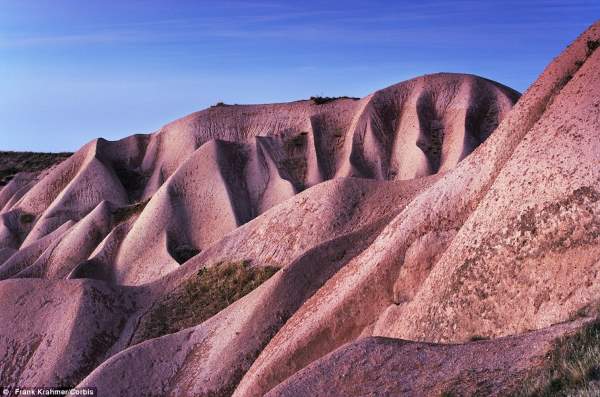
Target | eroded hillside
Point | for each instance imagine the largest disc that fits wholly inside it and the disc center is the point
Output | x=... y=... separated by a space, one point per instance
x=316 y=247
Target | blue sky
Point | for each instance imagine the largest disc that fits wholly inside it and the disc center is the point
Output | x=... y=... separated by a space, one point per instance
x=73 y=70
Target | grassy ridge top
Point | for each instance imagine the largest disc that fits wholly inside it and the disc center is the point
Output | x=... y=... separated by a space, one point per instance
x=12 y=163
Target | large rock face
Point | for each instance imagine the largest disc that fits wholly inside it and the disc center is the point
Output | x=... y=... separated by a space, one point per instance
x=429 y=211
x=208 y=173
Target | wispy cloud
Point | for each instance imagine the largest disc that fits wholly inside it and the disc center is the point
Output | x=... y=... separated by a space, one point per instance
x=67 y=39
x=246 y=30
x=435 y=21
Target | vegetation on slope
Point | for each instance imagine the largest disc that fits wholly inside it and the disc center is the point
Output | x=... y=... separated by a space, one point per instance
x=125 y=213
x=12 y=163
x=320 y=100
x=201 y=297
x=572 y=368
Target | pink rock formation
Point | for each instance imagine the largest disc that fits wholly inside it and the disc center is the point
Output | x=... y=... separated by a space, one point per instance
x=429 y=211
x=394 y=367
x=213 y=171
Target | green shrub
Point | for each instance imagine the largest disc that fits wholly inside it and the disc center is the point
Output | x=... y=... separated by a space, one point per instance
x=320 y=100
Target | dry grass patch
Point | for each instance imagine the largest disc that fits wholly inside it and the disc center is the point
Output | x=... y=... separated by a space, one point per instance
x=572 y=367
x=476 y=338
x=201 y=297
